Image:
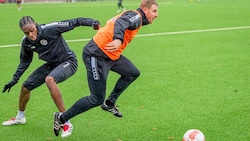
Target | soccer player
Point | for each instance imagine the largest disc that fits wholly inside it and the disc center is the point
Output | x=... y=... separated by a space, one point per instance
x=18 y=3
x=102 y=54
x=120 y=7
x=61 y=63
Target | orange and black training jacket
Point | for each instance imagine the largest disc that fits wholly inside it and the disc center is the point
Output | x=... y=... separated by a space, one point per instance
x=124 y=27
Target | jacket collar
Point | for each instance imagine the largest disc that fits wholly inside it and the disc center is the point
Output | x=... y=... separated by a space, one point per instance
x=144 y=18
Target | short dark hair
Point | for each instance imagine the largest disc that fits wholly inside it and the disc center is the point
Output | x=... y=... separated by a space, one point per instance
x=26 y=20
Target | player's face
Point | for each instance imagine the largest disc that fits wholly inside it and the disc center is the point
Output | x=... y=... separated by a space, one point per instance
x=151 y=13
x=30 y=31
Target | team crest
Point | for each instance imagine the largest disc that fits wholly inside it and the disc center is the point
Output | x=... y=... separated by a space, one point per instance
x=44 y=42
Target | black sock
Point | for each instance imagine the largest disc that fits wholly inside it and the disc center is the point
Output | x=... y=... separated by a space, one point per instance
x=109 y=103
x=61 y=119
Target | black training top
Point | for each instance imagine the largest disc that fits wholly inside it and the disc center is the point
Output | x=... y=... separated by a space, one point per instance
x=50 y=45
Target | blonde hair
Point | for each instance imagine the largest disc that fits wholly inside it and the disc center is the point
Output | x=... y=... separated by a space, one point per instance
x=148 y=3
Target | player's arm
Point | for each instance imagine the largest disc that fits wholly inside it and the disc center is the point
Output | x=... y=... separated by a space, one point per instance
x=67 y=25
x=26 y=57
x=25 y=60
x=129 y=20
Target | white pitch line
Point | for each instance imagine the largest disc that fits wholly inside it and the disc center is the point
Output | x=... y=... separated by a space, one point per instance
x=194 y=31
x=156 y=34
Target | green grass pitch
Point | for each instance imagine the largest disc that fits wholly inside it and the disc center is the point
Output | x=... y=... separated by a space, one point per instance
x=194 y=62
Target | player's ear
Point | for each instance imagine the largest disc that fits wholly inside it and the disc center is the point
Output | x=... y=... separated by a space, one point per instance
x=145 y=10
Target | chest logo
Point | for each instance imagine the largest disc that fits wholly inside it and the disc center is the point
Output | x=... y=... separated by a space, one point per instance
x=44 y=42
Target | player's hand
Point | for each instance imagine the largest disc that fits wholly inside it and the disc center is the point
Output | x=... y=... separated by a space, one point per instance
x=9 y=85
x=95 y=24
x=113 y=46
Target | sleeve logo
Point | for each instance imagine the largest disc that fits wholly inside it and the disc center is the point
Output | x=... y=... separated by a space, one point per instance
x=132 y=19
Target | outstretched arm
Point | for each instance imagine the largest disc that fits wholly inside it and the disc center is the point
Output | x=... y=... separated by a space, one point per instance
x=66 y=25
x=25 y=60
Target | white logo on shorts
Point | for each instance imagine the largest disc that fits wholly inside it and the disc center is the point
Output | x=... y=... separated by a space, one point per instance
x=66 y=64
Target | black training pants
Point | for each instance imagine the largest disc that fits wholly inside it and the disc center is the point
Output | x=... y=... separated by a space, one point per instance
x=98 y=66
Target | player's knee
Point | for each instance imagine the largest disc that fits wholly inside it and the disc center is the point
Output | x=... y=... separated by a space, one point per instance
x=49 y=79
x=27 y=86
x=132 y=75
x=136 y=74
x=24 y=90
x=96 y=100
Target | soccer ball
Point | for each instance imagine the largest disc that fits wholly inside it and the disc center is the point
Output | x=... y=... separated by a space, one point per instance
x=193 y=135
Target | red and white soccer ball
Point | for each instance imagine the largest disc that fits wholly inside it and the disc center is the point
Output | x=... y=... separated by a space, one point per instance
x=193 y=135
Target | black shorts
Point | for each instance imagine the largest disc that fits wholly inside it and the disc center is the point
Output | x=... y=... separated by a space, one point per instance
x=59 y=72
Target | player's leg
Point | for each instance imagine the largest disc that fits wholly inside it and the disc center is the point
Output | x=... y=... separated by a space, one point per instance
x=97 y=76
x=23 y=100
x=18 y=3
x=123 y=8
x=34 y=80
x=128 y=73
x=119 y=4
x=59 y=74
